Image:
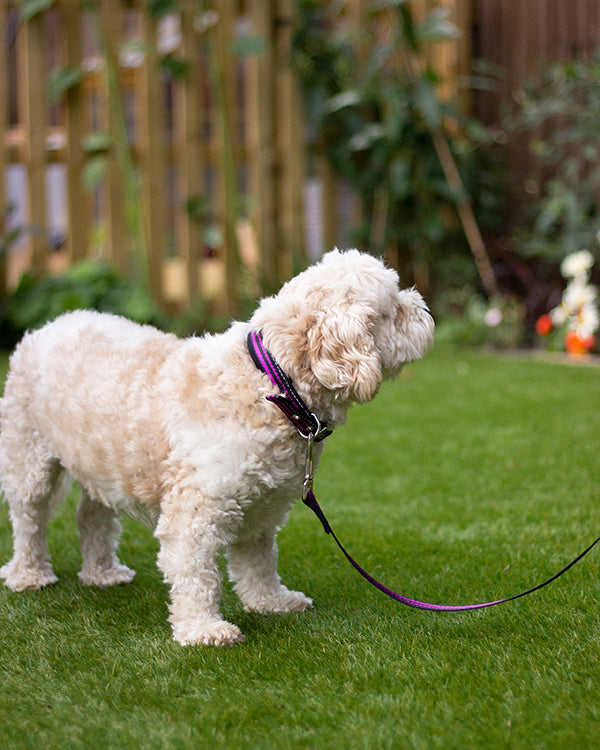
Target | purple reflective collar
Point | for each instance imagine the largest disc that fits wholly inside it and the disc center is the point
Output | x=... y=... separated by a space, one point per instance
x=290 y=402
x=311 y=429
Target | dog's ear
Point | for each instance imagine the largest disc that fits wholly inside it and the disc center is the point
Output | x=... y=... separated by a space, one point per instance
x=341 y=352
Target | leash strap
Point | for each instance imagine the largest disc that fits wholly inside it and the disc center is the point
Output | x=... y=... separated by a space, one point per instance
x=311 y=502
x=310 y=428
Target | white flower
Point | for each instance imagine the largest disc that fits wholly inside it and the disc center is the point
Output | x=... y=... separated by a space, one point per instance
x=578 y=295
x=587 y=321
x=577 y=264
x=579 y=305
x=493 y=317
x=559 y=315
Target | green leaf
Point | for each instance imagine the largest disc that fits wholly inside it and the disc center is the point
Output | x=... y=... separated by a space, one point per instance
x=387 y=4
x=63 y=80
x=178 y=67
x=340 y=101
x=436 y=27
x=196 y=207
x=400 y=181
x=366 y=137
x=94 y=172
x=30 y=8
x=247 y=46
x=97 y=143
x=427 y=104
x=160 y=8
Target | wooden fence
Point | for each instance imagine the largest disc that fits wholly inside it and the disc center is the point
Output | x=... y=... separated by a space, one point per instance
x=176 y=146
x=518 y=38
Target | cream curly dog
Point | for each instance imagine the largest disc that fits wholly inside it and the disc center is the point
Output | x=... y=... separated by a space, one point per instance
x=178 y=434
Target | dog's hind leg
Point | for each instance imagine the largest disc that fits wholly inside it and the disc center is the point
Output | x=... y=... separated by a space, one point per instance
x=99 y=531
x=29 y=493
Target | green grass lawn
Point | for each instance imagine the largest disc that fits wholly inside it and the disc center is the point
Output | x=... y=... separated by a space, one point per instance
x=470 y=478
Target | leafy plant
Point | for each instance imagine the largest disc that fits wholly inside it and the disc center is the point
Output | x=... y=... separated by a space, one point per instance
x=378 y=118
x=28 y=9
x=85 y=285
x=562 y=110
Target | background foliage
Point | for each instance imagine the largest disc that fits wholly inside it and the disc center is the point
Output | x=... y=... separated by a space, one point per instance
x=562 y=110
x=374 y=109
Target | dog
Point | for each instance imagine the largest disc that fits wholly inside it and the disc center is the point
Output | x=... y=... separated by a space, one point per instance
x=178 y=433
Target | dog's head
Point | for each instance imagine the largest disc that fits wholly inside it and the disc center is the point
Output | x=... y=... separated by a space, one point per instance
x=344 y=325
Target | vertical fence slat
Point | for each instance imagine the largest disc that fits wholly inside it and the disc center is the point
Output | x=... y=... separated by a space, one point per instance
x=260 y=109
x=329 y=219
x=32 y=89
x=227 y=141
x=464 y=52
x=188 y=151
x=3 y=128
x=118 y=239
x=292 y=150
x=78 y=204
x=152 y=150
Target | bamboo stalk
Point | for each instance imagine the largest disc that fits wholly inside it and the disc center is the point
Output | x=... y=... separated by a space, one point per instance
x=465 y=213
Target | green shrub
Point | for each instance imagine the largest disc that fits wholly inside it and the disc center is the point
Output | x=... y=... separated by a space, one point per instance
x=374 y=112
x=562 y=110
x=89 y=285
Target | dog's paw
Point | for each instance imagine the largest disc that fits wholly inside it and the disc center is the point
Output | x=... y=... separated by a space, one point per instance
x=103 y=577
x=21 y=578
x=282 y=602
x=207 y=633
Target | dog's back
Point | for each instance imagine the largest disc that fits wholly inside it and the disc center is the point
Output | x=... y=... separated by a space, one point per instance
x=77 y=395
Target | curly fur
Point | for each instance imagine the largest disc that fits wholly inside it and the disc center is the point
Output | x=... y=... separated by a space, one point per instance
x=178 y=433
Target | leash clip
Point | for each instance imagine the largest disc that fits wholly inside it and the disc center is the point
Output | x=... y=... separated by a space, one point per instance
x=309 y=470
x=317 y=431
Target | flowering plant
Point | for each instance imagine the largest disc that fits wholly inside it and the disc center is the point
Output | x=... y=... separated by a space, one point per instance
x=577 y=314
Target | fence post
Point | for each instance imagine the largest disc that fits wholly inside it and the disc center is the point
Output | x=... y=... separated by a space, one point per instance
x=261 y=152
x=464 y=53
x=152 y=147
x=3 y=158
x=189 y=150
x=78 y=206
x=222 y=61
x=33 y=106
x=292 y=148
x=109 y=18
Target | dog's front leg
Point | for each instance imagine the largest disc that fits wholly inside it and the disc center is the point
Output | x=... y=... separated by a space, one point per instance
x=252 y=565
x=191 y=535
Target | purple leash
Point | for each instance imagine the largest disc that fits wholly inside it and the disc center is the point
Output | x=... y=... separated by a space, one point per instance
x=312 y=430
x=311 y=502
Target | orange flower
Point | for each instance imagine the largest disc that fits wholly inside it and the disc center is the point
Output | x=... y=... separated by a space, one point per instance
x=543 y=325
x=576 y=344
